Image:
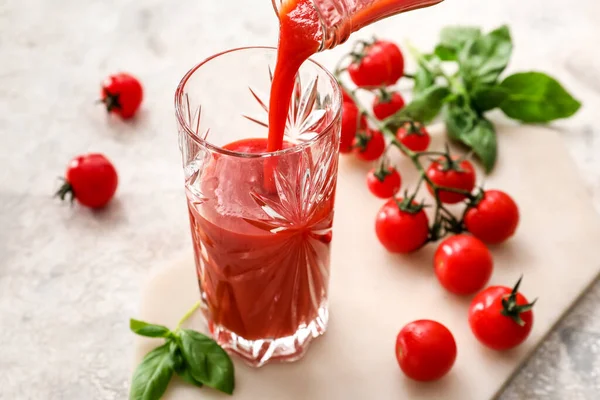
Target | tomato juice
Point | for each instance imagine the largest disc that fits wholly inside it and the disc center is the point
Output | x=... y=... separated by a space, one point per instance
x=263 y=275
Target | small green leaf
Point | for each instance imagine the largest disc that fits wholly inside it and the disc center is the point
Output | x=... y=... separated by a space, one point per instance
x=488 y=97
x=445 y=53
x=152 y=376
x=145 y=329
x=426 y=105
x=536 y=97
x=187 y=377
x=476 y=132
x=176 y=356
x=207 y=362
x=482 y=139
x=423 y=79
x=459 y=118
x=453 y=38
x=483 y=58
x=179 y=364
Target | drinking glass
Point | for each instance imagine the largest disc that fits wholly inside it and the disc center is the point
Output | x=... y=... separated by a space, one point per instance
x=260 y=222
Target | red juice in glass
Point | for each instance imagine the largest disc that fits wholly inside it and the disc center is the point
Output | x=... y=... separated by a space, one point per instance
x=265 y=274
x=261 y=221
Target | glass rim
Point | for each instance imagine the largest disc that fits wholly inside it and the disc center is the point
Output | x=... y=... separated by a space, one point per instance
x=297 y=147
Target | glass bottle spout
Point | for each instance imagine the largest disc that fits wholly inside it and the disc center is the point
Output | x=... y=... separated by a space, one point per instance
x=339 y=18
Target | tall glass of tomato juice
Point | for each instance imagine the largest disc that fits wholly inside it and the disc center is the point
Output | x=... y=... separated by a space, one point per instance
x=260 y=221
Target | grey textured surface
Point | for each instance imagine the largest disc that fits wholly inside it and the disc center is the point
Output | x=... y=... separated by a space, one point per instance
x=70 y=278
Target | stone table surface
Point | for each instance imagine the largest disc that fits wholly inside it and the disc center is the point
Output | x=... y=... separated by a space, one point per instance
x=70 y=278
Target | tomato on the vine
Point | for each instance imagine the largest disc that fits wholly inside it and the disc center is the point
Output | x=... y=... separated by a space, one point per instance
x=387 y=104
x=500 y=317
x=396 y=60
x=369 y=145
x=454 y=174
x=463 y=264
x=380 y=64
x=402 y=226
x=91 y=179
x=414 y=136
x=494 y=218
x=425 y=350
x=122 y=94
x=384 y=182
x=350 y=125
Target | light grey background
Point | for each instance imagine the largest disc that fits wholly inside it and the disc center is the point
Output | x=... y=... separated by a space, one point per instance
x=70 y=277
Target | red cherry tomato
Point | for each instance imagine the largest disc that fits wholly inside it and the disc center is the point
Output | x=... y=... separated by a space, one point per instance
x=501 y=326
x=451 y=175
x=463 y=264
x=122 y=94
x=384 y=182
x=425 y=350
x=369 y=146
x=401 y=229
x=91 y=179
x=414 y=136
x=382 y=64
x=385 y=107
x=350 y=126
x=494 y=219
x=396 y=60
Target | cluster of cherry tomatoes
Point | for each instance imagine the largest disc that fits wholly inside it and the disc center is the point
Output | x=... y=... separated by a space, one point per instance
x=500 y=317
x=375 y=65
x=91 y=178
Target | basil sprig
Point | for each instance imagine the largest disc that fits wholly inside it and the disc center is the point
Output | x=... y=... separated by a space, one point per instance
x=194 y=357
x=476 y=87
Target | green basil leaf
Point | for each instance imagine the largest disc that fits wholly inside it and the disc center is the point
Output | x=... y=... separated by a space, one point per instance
x=476 y=132
x=536 y=97
x=145 y=329
x=488 y=97
x=179 y=364
x=445 y=53
x=187 y=377
x=459 y=119
x=176 y=356
x=152 y=376
x=423 y=79
x=426 y=105
x=453 y=38
x=208 y=363
x=483 y=58
x=482 y=139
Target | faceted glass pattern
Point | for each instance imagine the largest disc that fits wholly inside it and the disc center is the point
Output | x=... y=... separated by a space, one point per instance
x=261 y=223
